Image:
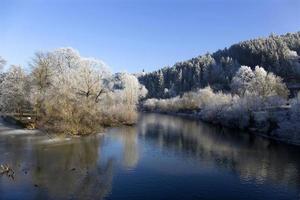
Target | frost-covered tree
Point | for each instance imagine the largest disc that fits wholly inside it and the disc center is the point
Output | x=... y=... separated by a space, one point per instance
x=131 y=88
x=75 y=94
x=64 y=69
x=242 y=80
x=41 y=80
x=258 y=83
x=67 y=88
x=14 y=91
x=266 y=84
x=88 y=78
x=2 y=63
x=125 y=93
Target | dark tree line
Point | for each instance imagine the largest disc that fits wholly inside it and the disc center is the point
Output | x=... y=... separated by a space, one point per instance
x=277 y=54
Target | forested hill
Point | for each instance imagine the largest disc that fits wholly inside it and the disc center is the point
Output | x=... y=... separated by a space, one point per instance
x=277 y=54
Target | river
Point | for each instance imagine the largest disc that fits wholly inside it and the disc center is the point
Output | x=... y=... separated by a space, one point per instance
x=162 y=157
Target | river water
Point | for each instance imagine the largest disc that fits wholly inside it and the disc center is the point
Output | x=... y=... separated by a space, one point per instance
x=162 y=157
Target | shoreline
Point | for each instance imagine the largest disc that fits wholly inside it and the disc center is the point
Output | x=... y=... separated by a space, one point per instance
x=29 y=125
x=192 y=115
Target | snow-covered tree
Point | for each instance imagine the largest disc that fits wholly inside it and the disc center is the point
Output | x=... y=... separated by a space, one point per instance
x=258 y=83
x=88 y=78
x=14 y=90
x=121 y=101
x=267 y=84
x=132 y=90
x=78 y=94
x=2 y=63
x=67 y=88
x=242 y=80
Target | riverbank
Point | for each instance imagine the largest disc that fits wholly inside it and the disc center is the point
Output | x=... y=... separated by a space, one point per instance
x=27 y=123
x=262 y=123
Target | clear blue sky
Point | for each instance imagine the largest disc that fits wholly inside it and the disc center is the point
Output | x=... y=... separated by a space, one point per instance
x=131 y=35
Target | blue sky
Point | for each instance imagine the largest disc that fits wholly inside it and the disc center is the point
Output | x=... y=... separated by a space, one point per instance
x=131 y=35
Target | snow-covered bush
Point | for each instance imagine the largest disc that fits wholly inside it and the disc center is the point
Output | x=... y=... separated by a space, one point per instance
x=213 y=104
x=237 y=114
x=289 y=125
x=218 y=107
x=233 y=110
x=188 y=101
x=150 y=104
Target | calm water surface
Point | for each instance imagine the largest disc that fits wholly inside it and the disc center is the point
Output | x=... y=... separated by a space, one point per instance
x=163 y=157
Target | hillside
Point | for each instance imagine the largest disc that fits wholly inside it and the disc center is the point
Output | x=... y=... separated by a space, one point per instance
x=277 y=54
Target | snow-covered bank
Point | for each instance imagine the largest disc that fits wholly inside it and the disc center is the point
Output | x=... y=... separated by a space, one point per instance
x=257 y=102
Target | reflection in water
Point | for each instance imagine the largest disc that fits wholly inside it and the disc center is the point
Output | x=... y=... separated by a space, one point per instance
x=129 y=139
x=146 y=161
x=251 y=157
x=131 y=153
x=56 y=168
x=75 y=167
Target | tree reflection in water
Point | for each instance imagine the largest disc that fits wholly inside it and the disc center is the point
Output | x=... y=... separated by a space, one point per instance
x=59 y=169
x=73 y=170
x=253 y=158
x=128 y=137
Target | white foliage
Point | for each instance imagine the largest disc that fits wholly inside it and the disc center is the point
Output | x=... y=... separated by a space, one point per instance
x=289 y=126
x=258 y=83
x=291 y=54
x=74 y=91
x=129 y=88
x=13 y=90
x=242 y=79
x=69 y=74
x=217 y=107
